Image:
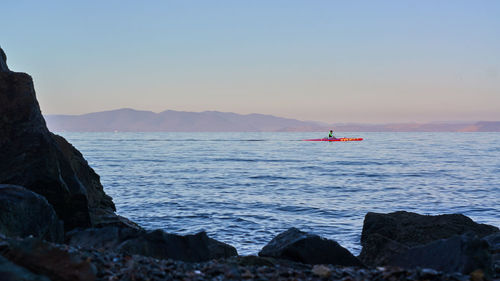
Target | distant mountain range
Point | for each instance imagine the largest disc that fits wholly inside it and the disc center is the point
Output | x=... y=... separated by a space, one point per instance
x=130 y=120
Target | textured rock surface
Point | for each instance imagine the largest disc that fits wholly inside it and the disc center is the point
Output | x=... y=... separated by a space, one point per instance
x=101 y=207
x=493 y=241
x=12 y=272
x=410 y=230
x=157 y=243
x=378 y=250
x=303 y=247
x=24 y=213
x=44 y=258
x=43 y=162
x=110 y=265
x=460 y=253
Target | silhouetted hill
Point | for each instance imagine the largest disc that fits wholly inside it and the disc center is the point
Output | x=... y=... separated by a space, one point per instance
x=483 y=126
x=131 y=120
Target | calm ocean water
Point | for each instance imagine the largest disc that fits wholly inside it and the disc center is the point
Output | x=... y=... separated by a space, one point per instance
x=245 y=188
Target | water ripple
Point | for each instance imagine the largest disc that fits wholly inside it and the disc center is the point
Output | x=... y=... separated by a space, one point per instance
x=245 y=188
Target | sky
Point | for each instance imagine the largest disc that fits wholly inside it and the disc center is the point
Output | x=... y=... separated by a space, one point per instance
x=330 y=61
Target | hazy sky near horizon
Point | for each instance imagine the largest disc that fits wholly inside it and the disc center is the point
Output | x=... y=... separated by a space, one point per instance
x=332 y=61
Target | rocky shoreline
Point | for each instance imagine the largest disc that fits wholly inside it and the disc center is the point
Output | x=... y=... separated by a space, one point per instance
x=72 y=263
x=57 y=223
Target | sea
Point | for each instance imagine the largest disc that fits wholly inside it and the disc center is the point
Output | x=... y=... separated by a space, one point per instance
x=246 y=188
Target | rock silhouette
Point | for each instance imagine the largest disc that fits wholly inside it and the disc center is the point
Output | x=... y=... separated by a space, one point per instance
x=40 y=161
x=401 y=230
x=155 y=243
x=304 y=247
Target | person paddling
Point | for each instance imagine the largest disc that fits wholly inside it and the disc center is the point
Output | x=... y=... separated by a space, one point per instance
x=330 y=135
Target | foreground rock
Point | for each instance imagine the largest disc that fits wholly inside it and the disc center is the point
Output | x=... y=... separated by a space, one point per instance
x=303 y=247
x=109 y=265
x=158 y=244
x=385 y=235
x=46 y=164
x=189 y=248
x=24 y=213
x=460 y=253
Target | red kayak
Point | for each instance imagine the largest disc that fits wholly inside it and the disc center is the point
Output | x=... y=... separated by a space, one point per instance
x=339 y=139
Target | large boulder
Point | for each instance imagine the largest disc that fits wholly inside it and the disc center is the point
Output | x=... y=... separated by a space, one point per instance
x=190 y=248
x=157 y=243
x=461 y=253
x=304 y=247
x=404 y=229
x=24 y=213
x=107 y=238
x=47 y=164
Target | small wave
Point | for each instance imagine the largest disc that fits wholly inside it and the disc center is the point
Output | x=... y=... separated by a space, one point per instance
x=219 y=140
x=151 y=160
x=369 y=163
x=297 y=209
x=254 y=160
x=271 y=178
x=177 y=140
x=372 y=175
x=235 y=160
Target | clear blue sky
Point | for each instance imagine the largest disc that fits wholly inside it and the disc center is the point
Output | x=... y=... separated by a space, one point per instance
x=333 y=61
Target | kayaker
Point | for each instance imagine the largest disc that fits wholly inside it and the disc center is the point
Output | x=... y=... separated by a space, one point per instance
x=330 y=135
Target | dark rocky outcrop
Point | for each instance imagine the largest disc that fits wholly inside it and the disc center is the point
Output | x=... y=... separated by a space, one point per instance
x=24 y=213
x=190 y=248
x=12 y=272
x=156 y=243
x=460 y=253
x=404 y=229
x=303 y=247
x=38 y=160
x=101 y=207
x=48 y=165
